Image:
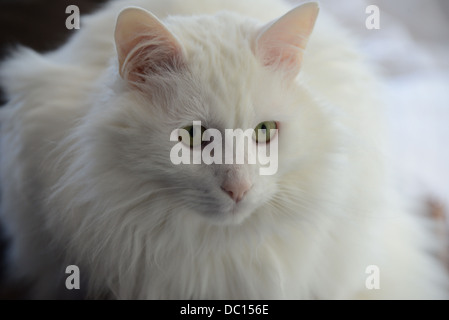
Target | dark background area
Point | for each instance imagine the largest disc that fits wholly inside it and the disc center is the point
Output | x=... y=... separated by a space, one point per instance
x=37 y=24
x=40 y=25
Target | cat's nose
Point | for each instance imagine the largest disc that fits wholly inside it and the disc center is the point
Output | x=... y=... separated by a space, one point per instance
x=236 y=190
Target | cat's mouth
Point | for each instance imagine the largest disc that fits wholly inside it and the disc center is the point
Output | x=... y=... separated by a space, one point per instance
x=231 y=213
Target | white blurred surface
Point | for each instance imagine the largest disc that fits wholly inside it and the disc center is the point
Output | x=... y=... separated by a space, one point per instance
x=412 y=50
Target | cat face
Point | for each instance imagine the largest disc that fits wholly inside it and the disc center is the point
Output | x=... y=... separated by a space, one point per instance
x=240 y=76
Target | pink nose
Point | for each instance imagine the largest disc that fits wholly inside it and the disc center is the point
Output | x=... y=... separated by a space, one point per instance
x=236 y=190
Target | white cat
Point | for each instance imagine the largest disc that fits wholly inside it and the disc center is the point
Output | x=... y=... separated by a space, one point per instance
x=87 y=180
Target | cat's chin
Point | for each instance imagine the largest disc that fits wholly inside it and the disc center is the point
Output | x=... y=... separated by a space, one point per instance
x=230 y=215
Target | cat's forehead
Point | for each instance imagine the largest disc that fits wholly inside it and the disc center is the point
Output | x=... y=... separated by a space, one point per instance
x=207 y=29
x=220 y=56
x=219 y=43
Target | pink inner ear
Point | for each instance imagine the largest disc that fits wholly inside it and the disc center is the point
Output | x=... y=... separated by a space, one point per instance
x=282 y=44
x=144 y=45
x=150 y=55
x=283 y=55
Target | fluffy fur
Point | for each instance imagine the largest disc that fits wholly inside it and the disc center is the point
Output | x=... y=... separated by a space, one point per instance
x=86 y=177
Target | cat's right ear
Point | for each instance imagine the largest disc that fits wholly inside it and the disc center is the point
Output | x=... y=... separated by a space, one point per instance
x=144 y=45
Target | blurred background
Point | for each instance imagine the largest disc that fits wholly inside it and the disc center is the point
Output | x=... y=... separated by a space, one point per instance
x=410 y=51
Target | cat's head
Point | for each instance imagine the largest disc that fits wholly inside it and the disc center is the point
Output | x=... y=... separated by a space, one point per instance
x=228 y=72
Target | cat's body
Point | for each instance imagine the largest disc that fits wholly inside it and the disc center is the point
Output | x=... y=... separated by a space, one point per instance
x=86 y=176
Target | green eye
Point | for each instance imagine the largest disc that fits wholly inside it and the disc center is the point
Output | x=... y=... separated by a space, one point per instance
x=265 y=131
x=195 y=136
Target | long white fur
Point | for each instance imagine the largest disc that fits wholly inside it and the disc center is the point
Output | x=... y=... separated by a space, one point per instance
x=86 y=177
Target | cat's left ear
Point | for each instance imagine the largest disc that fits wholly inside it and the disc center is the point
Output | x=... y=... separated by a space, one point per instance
x=144 y=45
x=281 y=44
